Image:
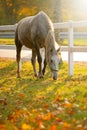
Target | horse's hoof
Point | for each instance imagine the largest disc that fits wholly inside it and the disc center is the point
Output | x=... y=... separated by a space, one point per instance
x=40 y=76
x=18 y=76
x=35 y=75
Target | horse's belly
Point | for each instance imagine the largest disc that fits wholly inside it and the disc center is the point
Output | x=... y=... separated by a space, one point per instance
x=28 y=45
x=26 y=42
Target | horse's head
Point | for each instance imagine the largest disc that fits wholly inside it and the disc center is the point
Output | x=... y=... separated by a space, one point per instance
x=51 y=54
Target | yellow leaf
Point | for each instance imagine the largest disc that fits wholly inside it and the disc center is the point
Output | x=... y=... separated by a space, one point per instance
x=26 y=127
x=41 y=126
x=67 y=104
x=48 y=116
x=66 y=126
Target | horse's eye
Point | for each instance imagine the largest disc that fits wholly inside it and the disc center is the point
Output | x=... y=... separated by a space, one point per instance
x=51 y=50
x=51 y=61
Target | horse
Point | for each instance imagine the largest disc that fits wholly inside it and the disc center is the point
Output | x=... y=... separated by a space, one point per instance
x=36 y=32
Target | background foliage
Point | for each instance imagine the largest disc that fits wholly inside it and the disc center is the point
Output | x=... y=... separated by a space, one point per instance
x=11 y=11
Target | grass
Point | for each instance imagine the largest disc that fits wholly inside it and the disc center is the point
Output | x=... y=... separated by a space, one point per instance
x=78 y=42
x=31 y=103
x=6 y=41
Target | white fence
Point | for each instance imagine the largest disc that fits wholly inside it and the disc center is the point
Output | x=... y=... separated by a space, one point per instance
x=70 y=29
x=77 y=35
x=70 y=26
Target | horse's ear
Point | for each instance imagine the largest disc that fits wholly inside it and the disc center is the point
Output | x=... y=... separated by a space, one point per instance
x=58 y=49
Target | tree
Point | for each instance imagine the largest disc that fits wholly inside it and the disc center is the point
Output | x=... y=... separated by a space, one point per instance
x=10 y=9
x=57 y=15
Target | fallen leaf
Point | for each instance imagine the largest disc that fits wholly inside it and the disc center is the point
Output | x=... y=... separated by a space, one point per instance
x=41 y=126
x=71 y=112
x=48 y=116
x=67 y=104
x=3 y=101
x=59 y=120
x=26 y=126
x=66 y=126
x=54 y=127
x=58 y=99
x=21 y=95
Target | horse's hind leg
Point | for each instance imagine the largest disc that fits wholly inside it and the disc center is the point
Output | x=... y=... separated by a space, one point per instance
x=33 y=61
x=18 y=51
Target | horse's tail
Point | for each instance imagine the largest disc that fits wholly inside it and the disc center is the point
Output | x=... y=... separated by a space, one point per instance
x=17 y=41
x=16 y=36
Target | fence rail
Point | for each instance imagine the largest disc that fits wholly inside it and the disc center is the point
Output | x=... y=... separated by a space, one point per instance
x=77 y=35
x=70 y=35
x=62 y=35
x=8 y=27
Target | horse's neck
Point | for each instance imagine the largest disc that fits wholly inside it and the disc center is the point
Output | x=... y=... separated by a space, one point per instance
x=50 y=40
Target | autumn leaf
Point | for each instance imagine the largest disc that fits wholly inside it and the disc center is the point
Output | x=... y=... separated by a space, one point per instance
x=54 y=127
x=45 y=105
x=66 y=126
x=67 y=104
x=71 y=111
x=21 y=95
x=58 y=99
x=48 y=116
x=3 y=101
x=2 y=127
x=41 y=126
x=26 y=126
x=59 y=120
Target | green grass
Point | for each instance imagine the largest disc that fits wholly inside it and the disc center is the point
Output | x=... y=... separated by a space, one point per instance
x=7 y=41
x=31 y=103
x=77 y=42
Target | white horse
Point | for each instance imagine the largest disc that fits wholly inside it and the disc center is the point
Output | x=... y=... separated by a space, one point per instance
x=36 y=32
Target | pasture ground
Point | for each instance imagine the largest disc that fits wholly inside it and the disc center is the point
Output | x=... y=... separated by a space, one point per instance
x=31 y=103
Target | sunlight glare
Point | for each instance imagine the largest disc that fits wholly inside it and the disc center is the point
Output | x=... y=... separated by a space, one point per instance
x=81 y=5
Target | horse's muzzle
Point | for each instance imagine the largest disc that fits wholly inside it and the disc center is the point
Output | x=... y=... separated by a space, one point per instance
x=54 y=78
x=55 y=75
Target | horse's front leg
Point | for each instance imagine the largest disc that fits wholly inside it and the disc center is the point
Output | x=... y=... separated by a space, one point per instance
x=33 y=61
x=39 y=58
x=45 y=64
x=40 y=65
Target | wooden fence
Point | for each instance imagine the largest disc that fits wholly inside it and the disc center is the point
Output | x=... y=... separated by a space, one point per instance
x=70 y=32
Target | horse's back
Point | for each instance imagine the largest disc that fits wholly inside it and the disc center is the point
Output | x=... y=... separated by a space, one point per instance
x=45 y=20
x=34 y=27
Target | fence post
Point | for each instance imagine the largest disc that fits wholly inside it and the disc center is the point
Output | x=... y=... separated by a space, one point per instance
x=70 y=45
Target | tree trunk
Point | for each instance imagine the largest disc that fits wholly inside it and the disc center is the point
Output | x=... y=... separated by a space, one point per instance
x=57 y=16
